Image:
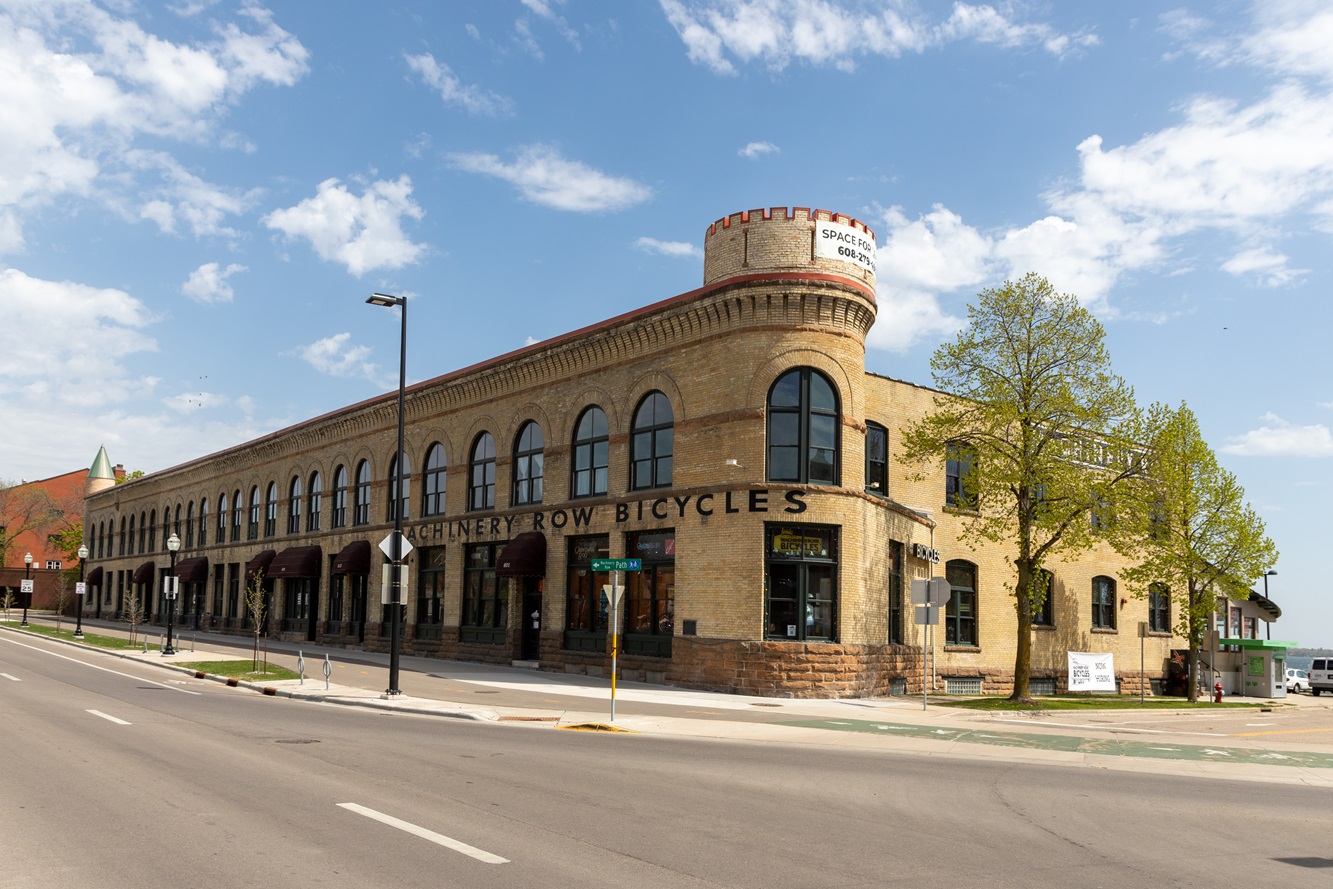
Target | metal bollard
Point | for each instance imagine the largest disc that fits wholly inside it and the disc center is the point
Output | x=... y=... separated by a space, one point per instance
x=328 y=670
x=300 y=665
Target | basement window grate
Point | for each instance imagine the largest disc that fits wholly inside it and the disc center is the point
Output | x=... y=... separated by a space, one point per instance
x=962 y=686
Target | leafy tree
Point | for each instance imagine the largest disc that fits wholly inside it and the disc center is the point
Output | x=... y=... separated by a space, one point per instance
x=1192 y=531
x=23 y=508
x=1036 y=430
x=129 y=476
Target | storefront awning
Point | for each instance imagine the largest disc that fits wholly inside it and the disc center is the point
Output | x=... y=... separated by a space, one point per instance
x=354 y=558
x=144 y=573
x=95 y=577
x=192 y=570
x=258 y=563
x=297 y=561
x=524 y=556
x=1254 y=644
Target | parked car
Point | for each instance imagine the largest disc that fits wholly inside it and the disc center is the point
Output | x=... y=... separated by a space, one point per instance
x=1298 y=681
x=1321 y=675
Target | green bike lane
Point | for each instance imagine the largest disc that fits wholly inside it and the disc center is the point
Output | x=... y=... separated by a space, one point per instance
x=1105 y=746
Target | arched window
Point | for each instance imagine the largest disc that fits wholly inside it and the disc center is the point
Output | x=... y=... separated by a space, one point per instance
x=339 y=497
x=315 y=502
x=433 y=481
x=222 y=518
x=803 y=428
x=1103 y=603
x=481 y=473
x=361 y=505
x=528 y=464
x=294 y=495
x=101 y=540
x=877 y=460
x=1043 y=613
x=252 y=529
x=143 y=530
x=651 y=443
x=189 y=526
x=122 y=539
x=591 y=454
x=960 y=615
x=203 y=522
x=237 y=510
x=152 y=532
x=178 y=520
x=399 y=489
x=271 y=509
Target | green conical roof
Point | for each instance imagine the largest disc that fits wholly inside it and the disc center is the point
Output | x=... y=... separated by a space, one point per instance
x=102 y=466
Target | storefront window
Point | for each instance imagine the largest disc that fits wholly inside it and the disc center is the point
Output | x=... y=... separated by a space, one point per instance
x=430 y=590
x=650 y=594
x=485 y=596
x=800 y=582
x=586 y=608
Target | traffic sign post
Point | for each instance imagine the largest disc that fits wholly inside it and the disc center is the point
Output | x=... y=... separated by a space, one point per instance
x=615 y=566
x=929 y=596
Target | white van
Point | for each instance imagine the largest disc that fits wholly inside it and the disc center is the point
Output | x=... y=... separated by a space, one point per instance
x=1321 y=674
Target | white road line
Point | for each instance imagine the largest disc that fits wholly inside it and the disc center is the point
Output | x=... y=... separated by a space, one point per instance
x=11 y=678
x=107 y=717
x=441 y=839
x=184 y=691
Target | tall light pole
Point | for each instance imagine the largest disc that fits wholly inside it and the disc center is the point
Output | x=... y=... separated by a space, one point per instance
x=396 y=571
x=173 y=546
x=27 y=578
x=79 y=591
x=1268 y=625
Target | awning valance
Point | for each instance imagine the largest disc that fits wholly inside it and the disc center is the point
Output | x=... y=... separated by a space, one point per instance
x=95 y=577
x=192 y=570
x=524 y=556
x=297 y=561
x=354 y=558
x=258 y=563
x=144 y=573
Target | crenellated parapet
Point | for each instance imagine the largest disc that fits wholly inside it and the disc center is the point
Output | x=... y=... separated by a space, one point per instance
x=790 y=240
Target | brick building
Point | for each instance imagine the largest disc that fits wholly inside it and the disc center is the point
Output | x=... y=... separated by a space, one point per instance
x=730 y=438
x=31 y=514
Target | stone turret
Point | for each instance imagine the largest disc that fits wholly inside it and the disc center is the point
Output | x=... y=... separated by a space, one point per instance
x=102 y=475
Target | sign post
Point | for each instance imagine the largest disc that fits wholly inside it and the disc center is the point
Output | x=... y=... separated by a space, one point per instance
x=929 y=596
x=615 y=566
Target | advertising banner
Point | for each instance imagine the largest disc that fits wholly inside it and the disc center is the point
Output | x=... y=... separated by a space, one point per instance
x=1091 y=672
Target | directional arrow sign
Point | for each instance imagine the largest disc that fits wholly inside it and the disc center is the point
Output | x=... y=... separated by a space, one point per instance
x=617 y=564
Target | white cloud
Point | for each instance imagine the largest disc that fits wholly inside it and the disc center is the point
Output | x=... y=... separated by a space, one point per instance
x=181 y=197
x=1263 y=263
x=545 y=9
x=363 y=233
x=472 y=99
x=1278 y=438
x=337 y=357
x=544 y=177
x=819 y=32
x=82 y=85
x=758 y=149
x=208 y=283
x=669 y=248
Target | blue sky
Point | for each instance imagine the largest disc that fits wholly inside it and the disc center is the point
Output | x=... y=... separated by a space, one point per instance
x=197 y=197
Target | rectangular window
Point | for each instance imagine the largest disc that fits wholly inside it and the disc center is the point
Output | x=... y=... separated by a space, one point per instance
x=1043 y=612
x=650 y=593
x=233 y=591
x=1159 y=609
x=485 y=596
x=800 y=582
x=960 y=614
x=895 y=591
x=1103 y=603
x=959 y=467
x=430 y=593
x=586 y=607
x=52 y=564
x=877 y=460
x=337 y=583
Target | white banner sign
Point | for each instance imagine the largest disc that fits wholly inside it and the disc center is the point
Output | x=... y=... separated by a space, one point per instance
x=836 y=241
x=1091 y=672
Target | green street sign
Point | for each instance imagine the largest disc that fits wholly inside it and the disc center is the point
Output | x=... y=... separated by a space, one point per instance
x=617 y=564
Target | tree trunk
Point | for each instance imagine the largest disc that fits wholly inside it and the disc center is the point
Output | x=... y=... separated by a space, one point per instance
x=1023 y=650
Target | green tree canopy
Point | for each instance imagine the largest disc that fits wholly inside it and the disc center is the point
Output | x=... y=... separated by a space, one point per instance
x=1037 y=429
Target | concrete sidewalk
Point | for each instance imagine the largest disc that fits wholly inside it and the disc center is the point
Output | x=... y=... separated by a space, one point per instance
x=1287 y=741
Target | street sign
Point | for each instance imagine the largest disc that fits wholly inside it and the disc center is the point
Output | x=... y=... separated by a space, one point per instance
x=80 y=588
x=386 y=545
x=170 y=586
x=928 y=615
x=617 y=564
x=386 y=583
x=935 y=591
x=25 y=586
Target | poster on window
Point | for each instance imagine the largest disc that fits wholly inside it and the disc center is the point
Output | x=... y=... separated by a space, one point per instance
x=1091 y=672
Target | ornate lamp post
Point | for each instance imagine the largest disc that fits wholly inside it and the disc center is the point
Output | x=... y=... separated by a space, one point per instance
x=396 y=575
x=79 y=591
x=27 y=582
x=173 y=546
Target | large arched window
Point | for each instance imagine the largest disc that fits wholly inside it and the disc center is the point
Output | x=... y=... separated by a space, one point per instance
x=252 y=529
x=271 y=510
x=1103 y=603
x=591 y=454
x=152 y=532
x=294 y=495
x=222 y=518
x=314 y=502
x=237 y=510
x=189 y=526
x=203 y=522
x=433 y=481
x=651 y=443
x=400 y=489
x=339 y=498
x=143 y=530
x=528 y=464
x=960 y=615
x=803 y=428
x=361 y=506
x=481 y=473
x=177 y=527
x=124 y=551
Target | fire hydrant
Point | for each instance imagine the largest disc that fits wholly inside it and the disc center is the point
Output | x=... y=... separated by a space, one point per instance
x=1217 y=693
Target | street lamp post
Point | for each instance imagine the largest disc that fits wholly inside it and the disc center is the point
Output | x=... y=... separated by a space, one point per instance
x=396 y=571
x=79 y=591
x=173 y=546
x=1268 y=625
x=27 y=577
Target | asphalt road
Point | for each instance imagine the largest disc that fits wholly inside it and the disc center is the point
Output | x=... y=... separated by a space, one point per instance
x=121 y=774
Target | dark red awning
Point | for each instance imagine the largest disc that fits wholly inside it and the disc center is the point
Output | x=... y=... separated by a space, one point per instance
x=192 y=570
x=258 y=563
x=95 y=577
x=144 y=573
x=297 y=561
x=354 y=558
x=524 y=556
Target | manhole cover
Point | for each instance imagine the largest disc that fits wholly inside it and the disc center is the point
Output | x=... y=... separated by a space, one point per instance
x=297 y=741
